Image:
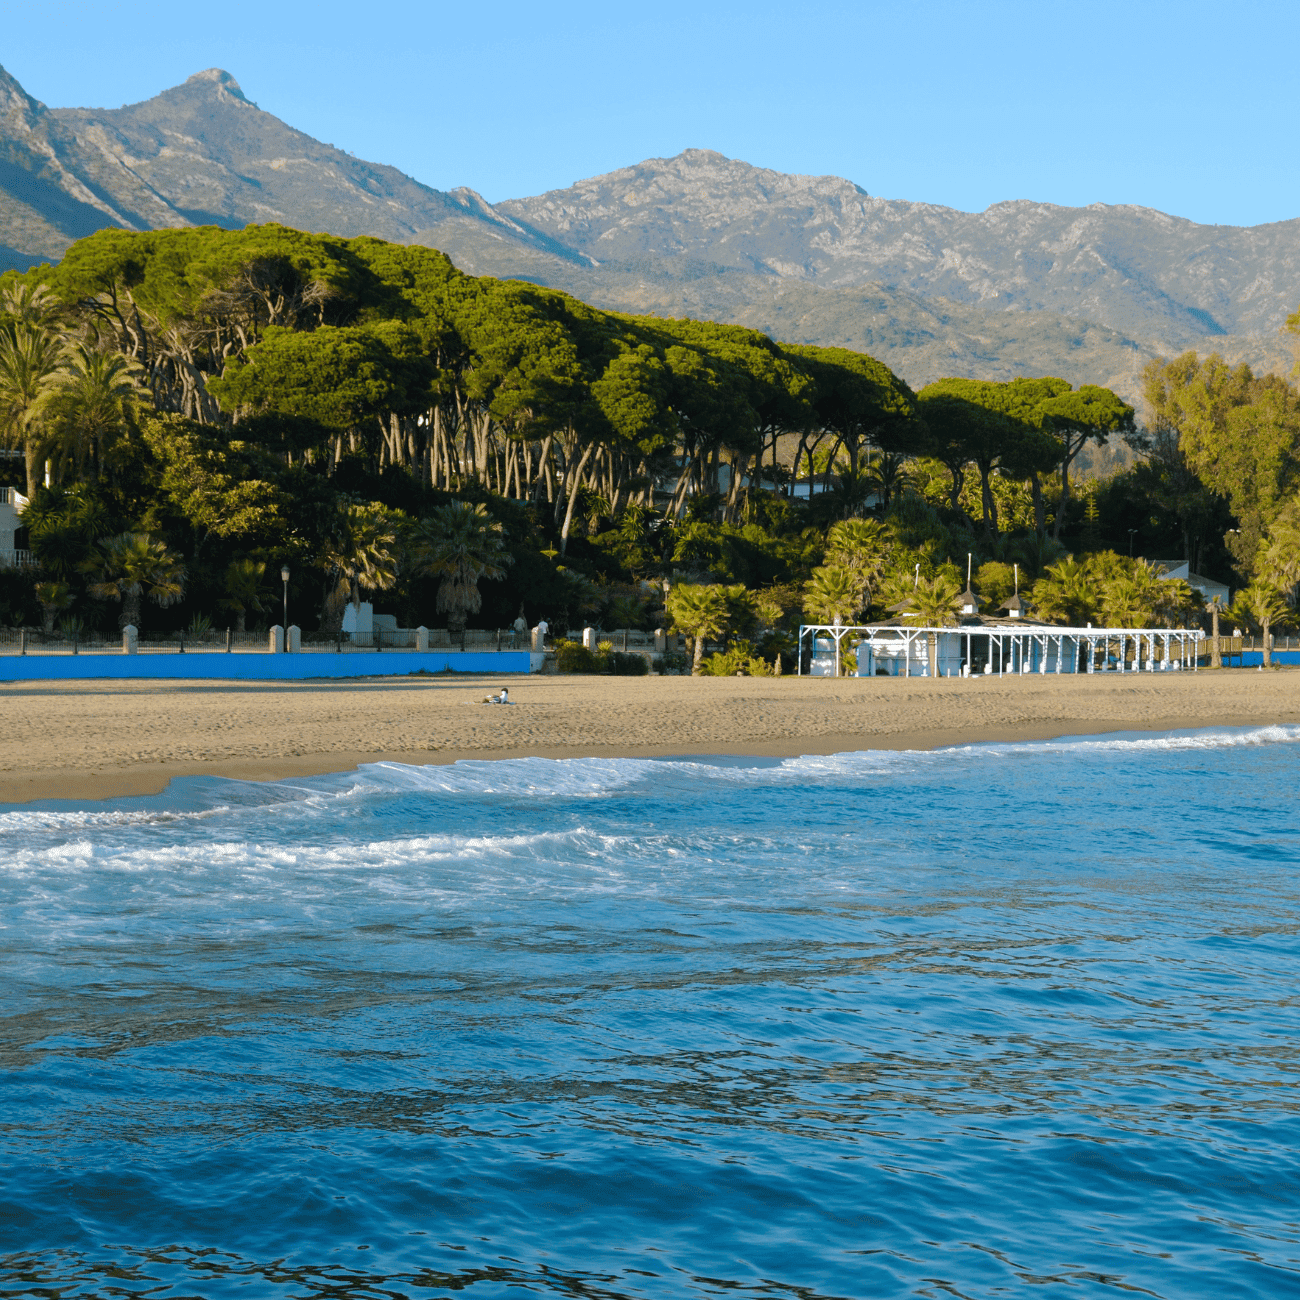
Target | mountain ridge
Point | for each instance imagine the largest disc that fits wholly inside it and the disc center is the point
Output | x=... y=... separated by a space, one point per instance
x=1088 y=293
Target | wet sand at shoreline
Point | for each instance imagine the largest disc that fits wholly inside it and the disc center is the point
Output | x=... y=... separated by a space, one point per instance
x=100 y=739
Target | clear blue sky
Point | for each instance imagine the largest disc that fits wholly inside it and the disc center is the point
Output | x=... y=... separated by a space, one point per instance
x=1186 y=107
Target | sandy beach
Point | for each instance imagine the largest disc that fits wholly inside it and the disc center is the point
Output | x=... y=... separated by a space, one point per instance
x=97 y=739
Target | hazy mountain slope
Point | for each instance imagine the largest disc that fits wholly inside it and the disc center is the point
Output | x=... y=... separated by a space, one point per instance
x=920 y=338
x=1129 y=268
x=201 y=153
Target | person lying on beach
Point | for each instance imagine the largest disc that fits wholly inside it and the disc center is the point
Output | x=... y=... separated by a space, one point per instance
x=503 y=698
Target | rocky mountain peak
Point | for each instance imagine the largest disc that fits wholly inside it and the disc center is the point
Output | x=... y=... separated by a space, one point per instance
x=15 y=102
x=219 y=80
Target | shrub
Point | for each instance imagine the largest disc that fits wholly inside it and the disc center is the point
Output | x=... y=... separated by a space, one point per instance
x=574 y=657
x=628 y=665
x=740 y=658
x=674 y=661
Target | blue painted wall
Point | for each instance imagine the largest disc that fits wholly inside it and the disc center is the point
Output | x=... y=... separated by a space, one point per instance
x=253 y=667
x=1253 y=658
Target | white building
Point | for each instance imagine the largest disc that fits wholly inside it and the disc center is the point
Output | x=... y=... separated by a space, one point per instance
x=1169 y=570
x=12 y=505
x=1002 y=647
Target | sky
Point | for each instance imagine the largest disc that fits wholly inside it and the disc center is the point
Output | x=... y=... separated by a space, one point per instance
x=1189 y=107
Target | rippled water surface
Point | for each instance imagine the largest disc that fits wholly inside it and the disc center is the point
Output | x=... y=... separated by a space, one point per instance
x=1001 y=1020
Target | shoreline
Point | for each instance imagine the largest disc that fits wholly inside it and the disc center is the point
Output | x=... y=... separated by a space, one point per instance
x=93 y=740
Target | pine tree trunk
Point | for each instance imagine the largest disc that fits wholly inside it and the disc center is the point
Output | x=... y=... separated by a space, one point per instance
x=573 y=497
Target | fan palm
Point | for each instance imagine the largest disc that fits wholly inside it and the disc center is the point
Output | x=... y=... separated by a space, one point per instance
x=834 y=591
x=862 y=546
x=461 y=544
x=1068 y=592
x=699 y=610
x=132 y=566
x=1131 y=599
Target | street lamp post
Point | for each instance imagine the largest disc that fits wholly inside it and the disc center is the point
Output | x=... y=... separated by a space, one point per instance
x=1131 y=531
x=284 y=577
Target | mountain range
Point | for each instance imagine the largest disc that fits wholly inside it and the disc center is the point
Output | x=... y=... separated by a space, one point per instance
x=1021 y=288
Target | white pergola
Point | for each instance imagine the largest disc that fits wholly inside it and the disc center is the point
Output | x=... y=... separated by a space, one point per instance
x=1019 y=650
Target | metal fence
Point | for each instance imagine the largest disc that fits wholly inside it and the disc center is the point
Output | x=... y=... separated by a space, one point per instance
x=479 y=640
x=29 y=641
x=26 y=641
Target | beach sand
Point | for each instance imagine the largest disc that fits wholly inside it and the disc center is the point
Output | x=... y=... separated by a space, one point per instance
x=99 y=739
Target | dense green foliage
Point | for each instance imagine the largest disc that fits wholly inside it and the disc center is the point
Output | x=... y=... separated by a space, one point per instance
x=457 y=447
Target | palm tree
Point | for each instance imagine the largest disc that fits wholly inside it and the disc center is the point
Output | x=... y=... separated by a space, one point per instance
x=1261 y=604
x=1216 y=650
x=933 y=601
x=245 y=589
x=699 y=610
x=131 y=566
x=88 y=403
x=1067 y=591
x=461 y=544
x=834 y=591
x=54 y=598
x=863 y=546
x=1131 y=598
x=850 y=494
x=1279 y=559
x=23 y=304
x=887 y=477
x=31 y=352
x=359 y=557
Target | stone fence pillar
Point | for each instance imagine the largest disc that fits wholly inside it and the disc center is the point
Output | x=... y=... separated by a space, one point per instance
x=421 y=638
x=589 y=638
x=130 y=639
x=661 y=641
x=276 y=645
x=295 y=639
x=538 y=640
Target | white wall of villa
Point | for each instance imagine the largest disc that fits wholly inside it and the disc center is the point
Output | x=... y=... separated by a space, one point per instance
x=12 y=505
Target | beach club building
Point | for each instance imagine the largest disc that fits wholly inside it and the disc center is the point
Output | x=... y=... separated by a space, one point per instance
x=979 y=646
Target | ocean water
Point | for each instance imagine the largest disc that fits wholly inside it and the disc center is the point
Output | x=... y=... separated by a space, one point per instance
x=1002 y=1020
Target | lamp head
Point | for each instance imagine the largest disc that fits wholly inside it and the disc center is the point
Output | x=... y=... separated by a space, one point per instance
x=284 y=574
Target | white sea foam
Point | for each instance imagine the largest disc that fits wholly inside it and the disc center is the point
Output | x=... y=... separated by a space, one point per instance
x=584 y=778
x=25 y=820
x=1137 y=742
